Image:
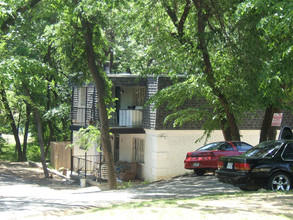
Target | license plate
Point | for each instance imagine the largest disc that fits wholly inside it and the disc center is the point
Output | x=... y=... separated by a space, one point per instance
x=195 y=164
x=229 y=165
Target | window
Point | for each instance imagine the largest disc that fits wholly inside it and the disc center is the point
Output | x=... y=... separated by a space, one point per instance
x=266 y=149
x=226 y=147
x=242 y=147
x=139 y=96
x=82 y=97
x=288 y=152
x=138 y=150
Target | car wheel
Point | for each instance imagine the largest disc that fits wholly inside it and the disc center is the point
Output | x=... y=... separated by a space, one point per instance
x=279 y=182
x=199 y=172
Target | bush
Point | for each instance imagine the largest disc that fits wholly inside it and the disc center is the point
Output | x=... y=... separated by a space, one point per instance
x=2 y=142
x=8 y=152
x=33 y=153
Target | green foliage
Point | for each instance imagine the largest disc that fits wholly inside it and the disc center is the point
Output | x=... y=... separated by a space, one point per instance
x=33 y=153
x=8 y=152
x=125 y=185
x=87 y=138
x=271 y=22
x=2 y=142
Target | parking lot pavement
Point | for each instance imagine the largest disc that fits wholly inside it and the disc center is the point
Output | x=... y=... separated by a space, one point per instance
x=19 y=200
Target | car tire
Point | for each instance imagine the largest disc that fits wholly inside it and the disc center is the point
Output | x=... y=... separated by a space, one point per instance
x=279 y=181
x=199 y=172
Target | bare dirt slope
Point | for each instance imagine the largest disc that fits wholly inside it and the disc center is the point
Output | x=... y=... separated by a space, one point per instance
x=33 y=174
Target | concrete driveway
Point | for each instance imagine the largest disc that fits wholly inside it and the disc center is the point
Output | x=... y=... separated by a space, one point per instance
x=19 y=200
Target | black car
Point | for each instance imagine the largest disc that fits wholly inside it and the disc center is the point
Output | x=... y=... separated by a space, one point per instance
x=268 y=165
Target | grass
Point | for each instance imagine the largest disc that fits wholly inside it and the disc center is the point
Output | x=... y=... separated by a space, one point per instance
x=8 y=152
x=240 y=205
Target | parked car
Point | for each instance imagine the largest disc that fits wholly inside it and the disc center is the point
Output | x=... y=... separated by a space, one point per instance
x=268 y=165
x=206 y=158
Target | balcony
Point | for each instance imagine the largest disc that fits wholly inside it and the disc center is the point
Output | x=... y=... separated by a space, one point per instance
x=130 y=118
x=126 y=118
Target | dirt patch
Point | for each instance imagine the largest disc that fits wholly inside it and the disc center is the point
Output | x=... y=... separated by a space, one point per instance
x=32 y=173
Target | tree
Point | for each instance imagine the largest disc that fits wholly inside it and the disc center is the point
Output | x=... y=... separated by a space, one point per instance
x=31 y=72
x=269 y=23
x=190 y=37
x=79 y=44
x=102 y=88
x=9 y=18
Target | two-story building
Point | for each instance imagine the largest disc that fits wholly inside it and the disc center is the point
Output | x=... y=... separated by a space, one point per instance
x=139 y=134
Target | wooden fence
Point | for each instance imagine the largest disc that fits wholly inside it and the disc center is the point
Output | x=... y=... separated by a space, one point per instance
x=60 y=155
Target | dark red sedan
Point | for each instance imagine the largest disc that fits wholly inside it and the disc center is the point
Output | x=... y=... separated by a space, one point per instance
x=207 y=157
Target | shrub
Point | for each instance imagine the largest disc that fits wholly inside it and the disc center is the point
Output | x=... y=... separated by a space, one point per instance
x=33 y=153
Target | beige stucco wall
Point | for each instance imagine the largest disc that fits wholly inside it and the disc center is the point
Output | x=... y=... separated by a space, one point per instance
x=126 y=146
x=165 y=151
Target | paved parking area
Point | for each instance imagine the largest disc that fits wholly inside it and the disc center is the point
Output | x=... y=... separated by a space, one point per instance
x=19 y=200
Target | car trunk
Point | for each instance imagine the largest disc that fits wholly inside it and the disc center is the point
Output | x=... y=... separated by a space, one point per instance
x=202 y=158
x=241 y=164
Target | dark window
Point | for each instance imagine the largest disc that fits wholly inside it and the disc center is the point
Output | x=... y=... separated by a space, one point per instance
x=226 y=147
x=242 y=146
x=288 y=152
x=211 y=146
x=265 y=149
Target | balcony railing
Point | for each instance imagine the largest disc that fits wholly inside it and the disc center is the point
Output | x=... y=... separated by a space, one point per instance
x=125 y=118
x=130 y=118
x=88 y=165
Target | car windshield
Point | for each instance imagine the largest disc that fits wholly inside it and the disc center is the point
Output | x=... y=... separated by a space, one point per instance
x=264 y=150
x=212 y=146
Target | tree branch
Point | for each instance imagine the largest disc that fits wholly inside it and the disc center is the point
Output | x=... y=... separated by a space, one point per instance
x=11 y=19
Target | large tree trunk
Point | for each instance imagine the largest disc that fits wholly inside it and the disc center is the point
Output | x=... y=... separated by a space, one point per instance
x=101 y=86
x=208 y=70
x=267 y=131
x=9 y=114
x=225 y=129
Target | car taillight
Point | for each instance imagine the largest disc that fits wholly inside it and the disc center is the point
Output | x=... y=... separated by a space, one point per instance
x=242 y=166
x=189 y=154
x=220 y=164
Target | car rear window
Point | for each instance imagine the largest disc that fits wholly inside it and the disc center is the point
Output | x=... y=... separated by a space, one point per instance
x=242 y=147
x=211 y=146
x=288 y=152
x=264 y=150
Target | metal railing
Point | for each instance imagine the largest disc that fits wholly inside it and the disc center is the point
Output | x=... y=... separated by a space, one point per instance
x=88 y=165
x=86 y=116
